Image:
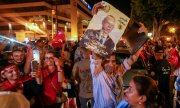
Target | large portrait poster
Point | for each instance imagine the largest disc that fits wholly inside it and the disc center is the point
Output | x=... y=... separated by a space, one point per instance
x=104 y=30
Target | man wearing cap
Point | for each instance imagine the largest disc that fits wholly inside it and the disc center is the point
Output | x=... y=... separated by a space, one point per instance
x=161 y=70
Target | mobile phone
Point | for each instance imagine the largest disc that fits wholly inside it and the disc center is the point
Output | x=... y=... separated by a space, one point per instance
x=34 y=68
x=34 y=65
x=36 y=55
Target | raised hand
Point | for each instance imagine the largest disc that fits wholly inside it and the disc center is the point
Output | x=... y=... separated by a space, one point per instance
x=142 y=28
x=97 y=7
x=56 y=61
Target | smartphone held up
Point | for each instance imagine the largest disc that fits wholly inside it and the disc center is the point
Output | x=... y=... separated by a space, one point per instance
x=35 y=62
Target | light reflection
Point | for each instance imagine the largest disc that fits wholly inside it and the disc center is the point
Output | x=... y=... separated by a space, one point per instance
x=12 y=40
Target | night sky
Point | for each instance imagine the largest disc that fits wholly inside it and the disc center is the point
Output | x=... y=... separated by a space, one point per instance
x=122 y=5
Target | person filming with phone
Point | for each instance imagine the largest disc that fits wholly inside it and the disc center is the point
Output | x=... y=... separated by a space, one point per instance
x=52 y=78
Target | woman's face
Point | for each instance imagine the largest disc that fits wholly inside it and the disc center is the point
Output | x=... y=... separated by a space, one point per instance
x=49 y=59
x=64 y=54
x=131 y=94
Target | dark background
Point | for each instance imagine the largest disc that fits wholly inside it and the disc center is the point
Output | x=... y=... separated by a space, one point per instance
x=122 y=5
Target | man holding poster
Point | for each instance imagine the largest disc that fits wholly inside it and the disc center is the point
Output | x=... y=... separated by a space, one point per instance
x=109 y=23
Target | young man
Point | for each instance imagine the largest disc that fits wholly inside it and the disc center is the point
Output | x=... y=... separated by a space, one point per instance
x=103 y=84
x=82 y=73
x=18 y=56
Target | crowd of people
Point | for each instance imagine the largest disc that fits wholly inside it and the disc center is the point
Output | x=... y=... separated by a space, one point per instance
x=76 y=77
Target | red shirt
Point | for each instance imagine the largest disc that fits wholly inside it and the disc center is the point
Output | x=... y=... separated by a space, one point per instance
x=7 y=86
x=49 y=92
x=174 y=57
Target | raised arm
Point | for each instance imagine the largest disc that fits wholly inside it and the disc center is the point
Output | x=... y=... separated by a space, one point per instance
x=128 y=62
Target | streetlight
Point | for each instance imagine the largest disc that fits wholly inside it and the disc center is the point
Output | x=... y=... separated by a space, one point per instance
x=172 y=30
x=10 y=28
x=53 y=13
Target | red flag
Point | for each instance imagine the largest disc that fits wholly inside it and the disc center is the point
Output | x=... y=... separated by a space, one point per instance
x=58 y=40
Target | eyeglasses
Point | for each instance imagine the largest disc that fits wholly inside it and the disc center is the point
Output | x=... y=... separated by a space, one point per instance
x=51 y=58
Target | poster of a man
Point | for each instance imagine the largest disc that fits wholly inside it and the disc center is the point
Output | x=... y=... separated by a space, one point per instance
x=104 y=30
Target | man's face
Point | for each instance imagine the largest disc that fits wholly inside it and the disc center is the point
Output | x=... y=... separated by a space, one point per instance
x=40 y=44
x=18 y=57
x=49 y=59
x=110 y=64
x=64 y=54
x=108 y=24
x=159 y=56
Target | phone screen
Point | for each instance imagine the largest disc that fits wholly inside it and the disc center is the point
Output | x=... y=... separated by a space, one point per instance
x=36 y=55
x=34 y=65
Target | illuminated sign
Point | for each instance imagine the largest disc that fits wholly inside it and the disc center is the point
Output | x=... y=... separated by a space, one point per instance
x=85 y=3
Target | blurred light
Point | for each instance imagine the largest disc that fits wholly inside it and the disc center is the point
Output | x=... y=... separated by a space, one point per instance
x=44 y=25
x=68 y=23
x=27 y=40
x=26 y=26
x=59 y=32
x=85 y=3
x=168 y=38
x=34 y=27
x=172 y=30
x=10 y=26
x=72 y=39
x=54 y=26
x=149 y=34
x=12 y=40
x=65 y=28
x=53 y=12
x=86 y=21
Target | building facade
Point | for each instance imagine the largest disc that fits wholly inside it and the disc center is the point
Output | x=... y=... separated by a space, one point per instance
x=44 y=18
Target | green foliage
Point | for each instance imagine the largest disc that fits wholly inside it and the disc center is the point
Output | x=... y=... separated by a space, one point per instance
x=146 y=10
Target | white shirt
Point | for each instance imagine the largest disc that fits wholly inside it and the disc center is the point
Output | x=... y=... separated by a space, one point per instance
x=102 y=93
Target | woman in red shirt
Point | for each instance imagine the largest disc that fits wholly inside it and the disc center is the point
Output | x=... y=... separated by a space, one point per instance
x=52 y=78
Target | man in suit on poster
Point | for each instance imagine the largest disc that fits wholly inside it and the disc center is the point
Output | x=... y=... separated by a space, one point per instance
x=102 y=35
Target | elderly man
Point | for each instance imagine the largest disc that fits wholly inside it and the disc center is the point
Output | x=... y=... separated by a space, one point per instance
x=102 y=35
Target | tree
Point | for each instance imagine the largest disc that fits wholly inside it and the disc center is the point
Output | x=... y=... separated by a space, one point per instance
x=156 y=13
